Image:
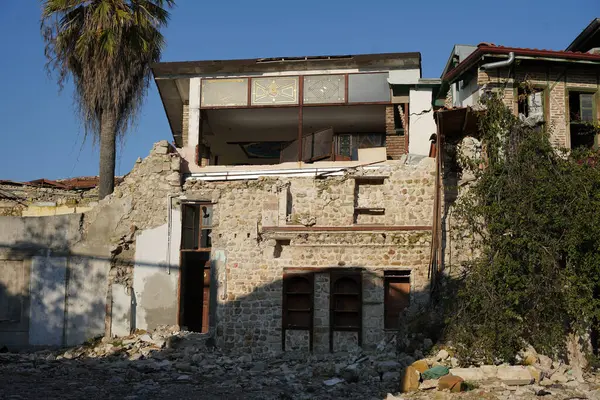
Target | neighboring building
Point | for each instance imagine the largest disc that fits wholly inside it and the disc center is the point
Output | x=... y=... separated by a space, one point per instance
x=44 y=197
x=305 y=222
x=558 y=89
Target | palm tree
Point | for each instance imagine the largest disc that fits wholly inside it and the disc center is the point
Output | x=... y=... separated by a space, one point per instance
x=106 y=47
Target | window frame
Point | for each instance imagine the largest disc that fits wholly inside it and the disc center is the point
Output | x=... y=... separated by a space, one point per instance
x=335 y=276
x=595 y=93
x=288 y=277
x=545 y=101
x=200 y=227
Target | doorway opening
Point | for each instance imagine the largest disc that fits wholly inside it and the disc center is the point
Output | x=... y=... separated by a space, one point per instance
x=195 y=269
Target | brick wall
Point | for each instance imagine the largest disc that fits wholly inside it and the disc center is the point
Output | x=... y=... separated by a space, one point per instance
x=185 y=124
x=394 y=143
x=555 y=79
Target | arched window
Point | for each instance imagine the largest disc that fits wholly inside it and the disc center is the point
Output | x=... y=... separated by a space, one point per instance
x=298 y=302
x=346 y=302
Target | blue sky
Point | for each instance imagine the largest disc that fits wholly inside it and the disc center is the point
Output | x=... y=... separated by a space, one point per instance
x=41 y=136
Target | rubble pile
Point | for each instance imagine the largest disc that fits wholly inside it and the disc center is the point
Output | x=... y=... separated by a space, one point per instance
x=168 y=362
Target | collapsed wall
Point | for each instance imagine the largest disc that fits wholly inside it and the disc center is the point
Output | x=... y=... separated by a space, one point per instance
x=55 y=270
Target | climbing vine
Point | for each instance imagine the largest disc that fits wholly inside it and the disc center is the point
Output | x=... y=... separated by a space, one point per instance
x=534 y=213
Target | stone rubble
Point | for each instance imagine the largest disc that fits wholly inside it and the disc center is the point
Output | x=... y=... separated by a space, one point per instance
x=178 y=364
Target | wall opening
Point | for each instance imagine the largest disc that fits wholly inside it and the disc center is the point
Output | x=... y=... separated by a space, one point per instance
x=581 y=118
x=195 y=270
x=396 y=296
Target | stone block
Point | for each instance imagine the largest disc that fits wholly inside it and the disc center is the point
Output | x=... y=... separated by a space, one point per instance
x=421 y=365
x=536 y=373
x=410 y=380
x=468 y=374
x=489 y=371
x=451 y=383
x=514 y=375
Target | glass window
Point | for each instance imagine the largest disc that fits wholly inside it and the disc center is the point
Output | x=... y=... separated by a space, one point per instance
x=322 y=89
x=275 y=91
x=224 y=92
x=368 y=88
x=587 y=106
x=196 y=226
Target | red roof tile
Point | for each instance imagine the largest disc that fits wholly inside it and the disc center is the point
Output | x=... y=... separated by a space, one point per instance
x=490 y=48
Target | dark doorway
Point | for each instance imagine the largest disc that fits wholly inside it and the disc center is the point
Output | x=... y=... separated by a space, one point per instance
x=195 y=272
x=194 y=295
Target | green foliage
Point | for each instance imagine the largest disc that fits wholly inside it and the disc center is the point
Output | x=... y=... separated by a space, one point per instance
x=106 y=47
x=534 y=213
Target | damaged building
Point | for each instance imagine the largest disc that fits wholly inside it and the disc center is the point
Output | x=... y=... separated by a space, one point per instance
x=300 y=205
x=308 y=192
x=293 y=212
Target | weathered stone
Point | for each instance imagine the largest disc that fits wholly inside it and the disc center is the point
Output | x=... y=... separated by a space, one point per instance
x=489 y=371
x=514 y=375
x=389 y=376
x=451 y=383
x=410 y=380
x=545 y=362
x=429 y=384
x=420 y=365
x=442 y=355
x=468 y=374
x=387 y=366
x=559 y=377
x=536 y=373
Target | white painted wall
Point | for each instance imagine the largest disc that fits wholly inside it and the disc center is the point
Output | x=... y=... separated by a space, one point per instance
x=466 y=94
x=421 y=123
x=121 y=311
x=156 y=275
x=194 y=113
x=86 y=297
x=47 y=307
x=404 y=76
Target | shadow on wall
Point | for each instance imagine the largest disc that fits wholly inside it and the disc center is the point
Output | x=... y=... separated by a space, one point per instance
x=335 y=308
x=53 y=285
x=54 y=293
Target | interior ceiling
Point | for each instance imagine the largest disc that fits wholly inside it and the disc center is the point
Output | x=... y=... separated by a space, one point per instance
x=267 y=124
x=223 y=126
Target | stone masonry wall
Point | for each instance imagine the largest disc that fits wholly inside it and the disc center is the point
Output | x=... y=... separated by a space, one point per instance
x=139 y=203
x=557 y=80
x=251 y=221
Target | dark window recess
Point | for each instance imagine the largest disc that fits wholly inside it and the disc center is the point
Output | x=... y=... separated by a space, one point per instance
x=348 y=143
x=581 y=117
x=396 y=297
x=531 y=104
x=195 y=272
x=398 y=125
x=196 y=226
x=346 y=303
x=298 y=308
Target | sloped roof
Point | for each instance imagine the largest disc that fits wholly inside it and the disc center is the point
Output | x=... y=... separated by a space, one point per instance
x=491 y=49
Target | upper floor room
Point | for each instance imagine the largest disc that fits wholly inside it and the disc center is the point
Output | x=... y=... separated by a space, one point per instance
x=309 y=111
x=557 y=89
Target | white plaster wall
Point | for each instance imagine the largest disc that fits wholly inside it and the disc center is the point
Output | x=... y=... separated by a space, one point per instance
x=155 y=277
x=421 y=122
x=86 y=297
x=121 y=311
x=404 y=76
x=467 y=95
x=47 y=307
